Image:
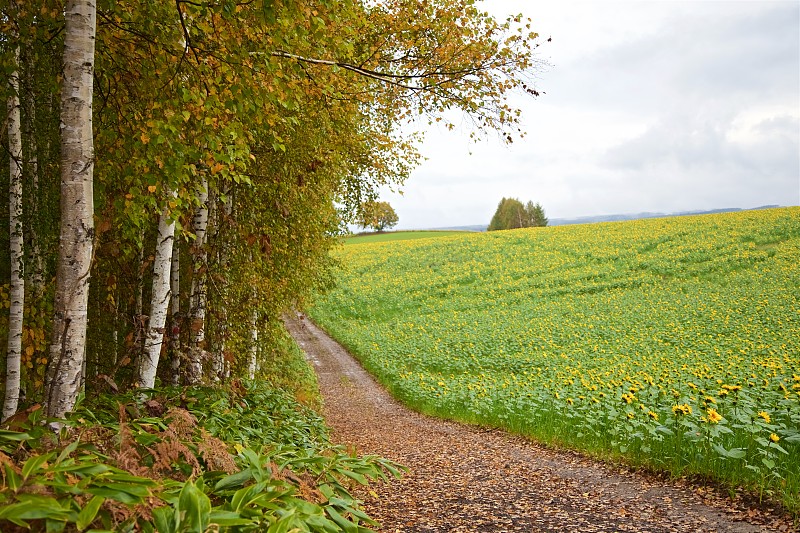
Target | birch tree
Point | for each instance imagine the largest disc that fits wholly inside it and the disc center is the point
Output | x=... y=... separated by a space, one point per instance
x=17 y=282
x=160 y=299
x=75 y=248
x=174 y=311
x=197 y=297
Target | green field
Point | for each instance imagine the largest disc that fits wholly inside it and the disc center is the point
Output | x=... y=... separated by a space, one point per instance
x=674 y=343
x=400 y=236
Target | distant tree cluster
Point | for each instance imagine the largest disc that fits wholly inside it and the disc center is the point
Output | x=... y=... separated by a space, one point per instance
x=379 y=216
x=512 y=214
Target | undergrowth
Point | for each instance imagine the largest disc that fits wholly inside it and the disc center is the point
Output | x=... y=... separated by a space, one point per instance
x=244 y=458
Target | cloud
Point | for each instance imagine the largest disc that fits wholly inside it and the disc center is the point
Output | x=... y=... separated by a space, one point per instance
x=649 y=106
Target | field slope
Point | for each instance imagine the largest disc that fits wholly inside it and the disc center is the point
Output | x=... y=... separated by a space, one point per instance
x=399 y=236
x=672 y=342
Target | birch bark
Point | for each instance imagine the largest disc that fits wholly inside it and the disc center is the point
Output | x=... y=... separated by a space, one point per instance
x=75 y=247
x=159 y=304
x=252 y=356
x=197 y=308
x=175 y=309
x=17 y=282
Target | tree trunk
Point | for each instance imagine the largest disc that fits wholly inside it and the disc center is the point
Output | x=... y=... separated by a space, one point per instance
x=175 y=309
x=138 y=307
x=77 y=225
x=159 y=304
x=17 y=282
x=197 y=308
x=221 y=365
x=252 y=357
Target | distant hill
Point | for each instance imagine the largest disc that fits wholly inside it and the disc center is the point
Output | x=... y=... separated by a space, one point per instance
x=619 y=217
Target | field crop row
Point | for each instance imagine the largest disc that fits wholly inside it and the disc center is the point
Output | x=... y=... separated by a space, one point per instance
x=673 y=342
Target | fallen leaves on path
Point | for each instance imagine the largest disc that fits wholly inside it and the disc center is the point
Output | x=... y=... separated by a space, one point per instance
x=470 y=479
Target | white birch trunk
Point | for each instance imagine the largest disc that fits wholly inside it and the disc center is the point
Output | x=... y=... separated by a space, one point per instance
x=159 y=305
x=17 y=283
x=77 y=225
x=252 y=356
x=197 y=308
x=175 y=309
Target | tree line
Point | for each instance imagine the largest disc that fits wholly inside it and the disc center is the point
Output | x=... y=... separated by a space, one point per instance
x=178 y=171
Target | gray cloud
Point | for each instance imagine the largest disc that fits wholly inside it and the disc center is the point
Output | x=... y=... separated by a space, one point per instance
x=649 y=106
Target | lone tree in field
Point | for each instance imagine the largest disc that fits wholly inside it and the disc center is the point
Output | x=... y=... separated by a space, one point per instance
x=378 y=216
x=512 y=214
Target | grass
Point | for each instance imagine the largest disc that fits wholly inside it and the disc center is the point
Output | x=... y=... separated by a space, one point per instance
x=670 y=342
x=399 y=236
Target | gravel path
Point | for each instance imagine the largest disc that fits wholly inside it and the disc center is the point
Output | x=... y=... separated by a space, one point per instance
x=465 y=478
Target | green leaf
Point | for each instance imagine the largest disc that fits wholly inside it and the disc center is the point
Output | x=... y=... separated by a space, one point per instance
x=33 y=507
x=229 y=519
x=164 y=519
x=71 y=447
x=779 y=448
x=735 y=453
x=89 y=512
x=86 y=469
x=283 y=525
x=195 y=507
x=14 y=436
x=34 y=463
x=354 y=476
x=55 y=526
x=13 y=480
x=345 y=524
x=123 y=493
x=234 y=480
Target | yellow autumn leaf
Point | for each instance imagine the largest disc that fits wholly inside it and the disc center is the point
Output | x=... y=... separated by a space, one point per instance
x=151 y=188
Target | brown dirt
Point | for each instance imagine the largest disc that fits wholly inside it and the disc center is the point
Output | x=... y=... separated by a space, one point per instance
x=466 y=478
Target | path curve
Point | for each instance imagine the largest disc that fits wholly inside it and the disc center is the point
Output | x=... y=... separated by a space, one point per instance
x=470 y=479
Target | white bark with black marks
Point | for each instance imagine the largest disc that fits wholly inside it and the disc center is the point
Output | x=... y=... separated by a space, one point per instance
x=159 y=303
x=175 y=310
x=197 y=297
x=252 y=356
x=16 y=246
x=62 y=383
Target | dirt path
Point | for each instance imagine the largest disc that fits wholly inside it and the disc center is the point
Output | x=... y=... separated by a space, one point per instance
x=466 y=478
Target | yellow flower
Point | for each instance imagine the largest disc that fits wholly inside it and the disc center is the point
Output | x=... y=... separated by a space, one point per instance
x=627 y=397
x=652 y=415
x=713 y=416
x=765 y=416
x=683 y=409
x=774 y=438
x=630 y=415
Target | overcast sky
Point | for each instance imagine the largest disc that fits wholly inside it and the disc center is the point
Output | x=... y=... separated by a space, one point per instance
x=658 y=106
